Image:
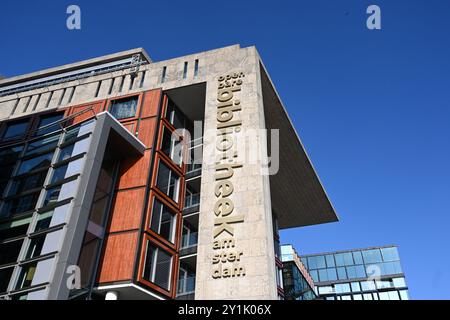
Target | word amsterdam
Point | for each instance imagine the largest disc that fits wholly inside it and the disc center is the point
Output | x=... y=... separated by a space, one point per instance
x=226 y=258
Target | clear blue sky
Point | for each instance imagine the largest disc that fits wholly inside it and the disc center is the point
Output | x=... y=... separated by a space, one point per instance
x=372 y=107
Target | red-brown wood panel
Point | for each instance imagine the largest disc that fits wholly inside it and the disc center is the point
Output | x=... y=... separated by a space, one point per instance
x=147 y=128
x=119 y=257
x=130 y=126
x=127 y=210
x=134 y=172
x=151 y=103
x=97 y=108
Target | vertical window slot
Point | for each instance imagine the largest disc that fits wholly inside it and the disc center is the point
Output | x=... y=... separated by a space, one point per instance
x=185 y=69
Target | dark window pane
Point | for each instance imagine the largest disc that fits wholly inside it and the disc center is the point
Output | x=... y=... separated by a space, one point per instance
x=124 y=108
x=157 y=266
x=41 y=161
x=52 y=194
x=10 y=251
x=10 y=154
x=26 y=183
x=35 y=246
x=43 y=220
x=175 y=116
x=59 y=173
x=15 y=129
x=18 y=205
x=26 y=275
x=46 y=120
x=168 y=181
x=5 y=276
x=42 y=144
x=14 y=228
x=163 y=220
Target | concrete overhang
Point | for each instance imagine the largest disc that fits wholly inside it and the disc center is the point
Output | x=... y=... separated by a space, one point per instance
x=298 y=197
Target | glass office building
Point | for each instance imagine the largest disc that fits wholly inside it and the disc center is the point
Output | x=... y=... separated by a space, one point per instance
x=360 y=274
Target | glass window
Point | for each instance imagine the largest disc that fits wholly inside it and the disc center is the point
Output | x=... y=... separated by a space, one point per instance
x=10 y=251
x=357 y=297
x=342 y=288
x=326 y=290
x=14 y=228
x=168 y=181
x=5 y=276
x=367 y=296
x=10 y=154
x=357 y=257
x=320 y=260
x=360 y=271
x=171 y=146
x=52 y=195
x=124 y=108
x=20 y=204
x=163 y=220
x=323 y=275
x=388 y=268
x=15 y=129
x=383 y=284
x=26 y=183
x=330 y=260
x=41 y=161
x=45 y=143
x=312 y=262
x=372 y=256
x=157 y=267
x=47 y=120
x=314 y=275
x=390 y=254
x=346 y=297
x=26 y=275
x=393 y=295
x=174 y=115
x=189 y=235
x=59 y=173
x=368 y=285
x=43 y=220
x=339 y=259
x=65 y=152
x=342 y=275
x=332 y=275
x=35 y=246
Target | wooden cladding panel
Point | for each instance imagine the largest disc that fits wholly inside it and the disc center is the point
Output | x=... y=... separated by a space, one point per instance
x=134 y=172
x=119 y=257
x=130 y=126
x=147 y=128
x=150 y=103
x=127 y=210
x=97 y=107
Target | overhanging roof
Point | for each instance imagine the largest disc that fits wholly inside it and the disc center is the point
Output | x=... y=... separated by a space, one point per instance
x=298 y=197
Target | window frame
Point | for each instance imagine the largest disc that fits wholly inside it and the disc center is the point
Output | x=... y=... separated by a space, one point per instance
x=109 y=103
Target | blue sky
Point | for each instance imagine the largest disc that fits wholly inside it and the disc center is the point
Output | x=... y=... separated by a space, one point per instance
x=372 y=107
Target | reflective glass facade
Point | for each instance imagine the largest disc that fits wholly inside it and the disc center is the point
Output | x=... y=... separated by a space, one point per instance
x=366 y=274
x=297 y=283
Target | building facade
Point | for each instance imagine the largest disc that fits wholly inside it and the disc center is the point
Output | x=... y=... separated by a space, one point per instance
x=360 y=274
x=297 y=282
x=124 y=178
